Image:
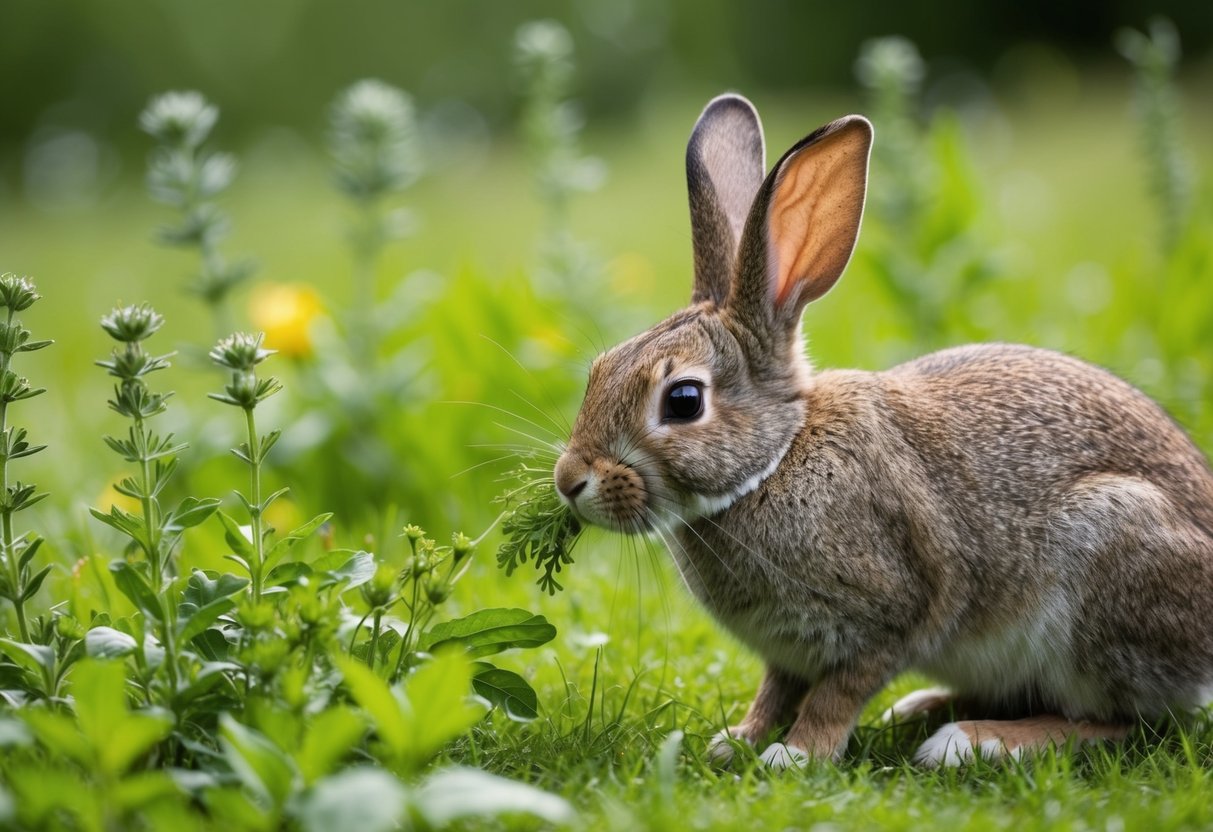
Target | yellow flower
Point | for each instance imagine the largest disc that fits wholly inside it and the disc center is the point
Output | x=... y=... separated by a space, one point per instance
x=284 y=312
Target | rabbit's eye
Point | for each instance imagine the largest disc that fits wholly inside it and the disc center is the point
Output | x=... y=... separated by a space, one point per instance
x=684 y=401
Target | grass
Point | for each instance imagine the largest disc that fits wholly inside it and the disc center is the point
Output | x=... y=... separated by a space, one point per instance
x=636 y=661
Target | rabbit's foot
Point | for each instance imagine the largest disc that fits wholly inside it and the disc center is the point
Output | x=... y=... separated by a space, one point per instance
x=921 y=701
x=961 y=742
x=721 y=747
x=779 y=757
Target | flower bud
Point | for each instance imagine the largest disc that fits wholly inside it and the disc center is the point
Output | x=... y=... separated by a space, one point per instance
x=131 y=324
x=17 y=293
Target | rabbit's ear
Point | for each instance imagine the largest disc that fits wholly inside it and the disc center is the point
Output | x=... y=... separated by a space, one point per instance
x=725 y=165
x=803 y=226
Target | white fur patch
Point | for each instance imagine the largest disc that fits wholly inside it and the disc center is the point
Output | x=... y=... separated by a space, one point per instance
x=920 y=701
x=720 y=747
x=705 y=505
x=951 y=746
x=780 y=757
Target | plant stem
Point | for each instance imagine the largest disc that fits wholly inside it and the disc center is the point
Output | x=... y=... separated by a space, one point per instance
x=6 y=516
x=254 y=448
x=370 y=656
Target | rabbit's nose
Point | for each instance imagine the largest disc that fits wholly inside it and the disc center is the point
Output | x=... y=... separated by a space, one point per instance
x=572 y=476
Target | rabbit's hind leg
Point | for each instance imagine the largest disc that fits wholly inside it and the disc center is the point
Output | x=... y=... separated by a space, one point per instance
x=918 y=703
x=961 y=742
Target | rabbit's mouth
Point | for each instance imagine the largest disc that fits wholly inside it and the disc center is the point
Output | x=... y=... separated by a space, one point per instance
x=605 y=493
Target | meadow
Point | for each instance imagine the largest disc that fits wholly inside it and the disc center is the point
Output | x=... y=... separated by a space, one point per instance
x=156 y=684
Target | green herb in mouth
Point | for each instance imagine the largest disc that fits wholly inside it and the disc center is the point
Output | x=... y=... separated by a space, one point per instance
x=537 y=526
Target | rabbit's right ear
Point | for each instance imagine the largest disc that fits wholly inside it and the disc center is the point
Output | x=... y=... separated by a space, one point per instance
x=725 y=166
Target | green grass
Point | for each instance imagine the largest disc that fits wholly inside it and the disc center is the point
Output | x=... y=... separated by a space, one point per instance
x=1060 y=186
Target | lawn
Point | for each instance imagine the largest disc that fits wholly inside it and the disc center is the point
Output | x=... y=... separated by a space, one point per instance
x=1033 y=223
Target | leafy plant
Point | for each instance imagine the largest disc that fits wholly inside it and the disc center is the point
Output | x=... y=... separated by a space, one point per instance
x=182 y=174
x=537 y=527
x=18 y=580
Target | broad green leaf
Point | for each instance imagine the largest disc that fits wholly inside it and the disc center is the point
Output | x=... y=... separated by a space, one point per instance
x=204 y=587
x=116 y=735
x=331 y=735
x=236 y=541
x=287 y=573
x=489 y=631
x=506 y=690
x=437 y=703
x=455 y=794
x=375 y=697
x=190 y=512
x=35 y=657
x=259 y=764
x=292 y=537
x=108 y=643
x=363 y=798
x=59 y=733
x=202 y=619
x=134 y=586
x=343 y=565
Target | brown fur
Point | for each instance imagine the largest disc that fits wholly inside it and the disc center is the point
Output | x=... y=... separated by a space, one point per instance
x=1028 y=528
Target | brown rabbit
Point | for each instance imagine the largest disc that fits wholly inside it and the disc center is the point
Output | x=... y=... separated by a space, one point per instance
x=1024 y=527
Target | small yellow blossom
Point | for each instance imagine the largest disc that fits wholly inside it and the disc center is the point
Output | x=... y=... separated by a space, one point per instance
x=284 y=312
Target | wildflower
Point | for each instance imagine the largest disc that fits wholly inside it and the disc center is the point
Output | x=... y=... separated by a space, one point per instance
x=373 y=139
x=17 y=293
x=182 y=119
x=285 y=312
x=131 y=324
x=240 y=351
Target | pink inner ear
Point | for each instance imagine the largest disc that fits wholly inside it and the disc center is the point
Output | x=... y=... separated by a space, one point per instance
x=814 y=216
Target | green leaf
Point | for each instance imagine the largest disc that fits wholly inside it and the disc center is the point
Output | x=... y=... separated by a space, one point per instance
x=259 y=764
x=59 y=733
x=35 y=657
x=363 y=798
x=331 y=735
x=236 y=541
x=130 y=581
x=287 y=573
x=489 y=631
x=108 y=643
x=190 y=513
x=375 y=697
x=34 y=583
x=455 y=794
x=203 y=618
x=287 y=541
x=116 y=735
x=354 y=568
x=506 y=690
x=204 y=587
x=123 y=521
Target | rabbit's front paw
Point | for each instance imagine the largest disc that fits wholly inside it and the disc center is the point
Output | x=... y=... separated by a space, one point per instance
x=721 y=748
x=779 y=757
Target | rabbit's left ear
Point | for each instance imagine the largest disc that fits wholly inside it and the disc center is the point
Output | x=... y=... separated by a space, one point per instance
x=802 y=229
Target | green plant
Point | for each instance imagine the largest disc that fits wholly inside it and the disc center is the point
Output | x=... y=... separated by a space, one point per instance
x=18 y=580
x=1155 y=55
x=374 y=144
x=537 y=526
x=182 y=174
x=551 y=126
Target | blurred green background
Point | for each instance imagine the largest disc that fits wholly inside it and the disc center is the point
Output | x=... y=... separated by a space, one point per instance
x=1026 y=188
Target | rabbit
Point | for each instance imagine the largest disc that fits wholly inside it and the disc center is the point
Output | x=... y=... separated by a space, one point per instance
x=1026 y=528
